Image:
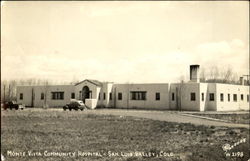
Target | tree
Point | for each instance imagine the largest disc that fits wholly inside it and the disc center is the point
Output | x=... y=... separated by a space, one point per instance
x=216 y=75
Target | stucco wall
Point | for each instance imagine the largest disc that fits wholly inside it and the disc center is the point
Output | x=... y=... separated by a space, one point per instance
x=27 y=95
x=186 y=90
x=203 y=90
x=182 y=93
x=211 y=105
x=232 y=105
x=150 y=102
x=38 y=90
x=92 y=87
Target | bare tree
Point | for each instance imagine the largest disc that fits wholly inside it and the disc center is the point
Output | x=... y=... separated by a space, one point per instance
x=216 y=75
x=8 y=90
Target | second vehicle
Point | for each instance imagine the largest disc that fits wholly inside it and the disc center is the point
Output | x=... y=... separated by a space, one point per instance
x=75 y=105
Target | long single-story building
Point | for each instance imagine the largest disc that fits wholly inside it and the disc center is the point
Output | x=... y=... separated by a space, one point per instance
x=190 y=96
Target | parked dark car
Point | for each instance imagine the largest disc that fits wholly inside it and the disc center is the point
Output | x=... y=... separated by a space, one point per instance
x=12 y=105
x=75 y=105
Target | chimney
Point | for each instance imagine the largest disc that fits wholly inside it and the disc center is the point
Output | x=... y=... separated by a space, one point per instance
x=195 y=73
x=241 y=81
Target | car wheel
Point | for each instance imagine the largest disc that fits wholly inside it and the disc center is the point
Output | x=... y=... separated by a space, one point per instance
x=16 y=108
x=70 y=109
x=81 y=109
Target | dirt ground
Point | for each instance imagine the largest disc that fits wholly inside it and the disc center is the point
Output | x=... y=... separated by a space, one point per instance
x=43 y=134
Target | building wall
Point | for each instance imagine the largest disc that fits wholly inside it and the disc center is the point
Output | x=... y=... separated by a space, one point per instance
x=106 y=89
x=182 y=96
x=27 y=95
x=150 y=102
x=203 y=90
x=232 y=105
x=38 y=90
x=211 y=105
x=93 y=88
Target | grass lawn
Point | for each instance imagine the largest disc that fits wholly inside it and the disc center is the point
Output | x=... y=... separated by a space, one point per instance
x=114 y=138
x=234 y=118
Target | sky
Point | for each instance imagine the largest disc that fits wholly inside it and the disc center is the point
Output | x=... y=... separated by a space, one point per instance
x=133 y=41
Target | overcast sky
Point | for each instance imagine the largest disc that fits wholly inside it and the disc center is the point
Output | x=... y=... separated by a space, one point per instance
x=122 y=41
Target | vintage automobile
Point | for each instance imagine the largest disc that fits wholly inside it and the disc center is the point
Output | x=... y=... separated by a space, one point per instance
x=13 y=105
x=75 y=105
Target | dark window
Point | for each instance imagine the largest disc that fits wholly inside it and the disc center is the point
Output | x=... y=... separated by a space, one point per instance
x=221 y=97
x=202 y=96
x=228 y=97
x=57 y=95
x=110 y=96
x=104 y=96
x=235 y=97
x=157 y=96
x=21 y=96
x=247 y=98
x=119 y=96
x=172 y=96
x=73 y=95
x=42 y=96
x=241 y=97
x=138 y=95
x=192 y=97
x=211 y=96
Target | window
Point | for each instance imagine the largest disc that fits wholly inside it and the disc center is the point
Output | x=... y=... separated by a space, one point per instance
x=73 y=95
x=57 y=95
x=228 y=97
x=202 y=96
x=247 y=98
x=110 y=96
x=235 y=97
x=21 y=96
x=211 y=96
x=157 y=96
x=104 y=96
x=42 y=96
x=138 y=95
x=242 y=97
x=172 y=96
x=119 y=96
x=192 y=96
x=221 y=97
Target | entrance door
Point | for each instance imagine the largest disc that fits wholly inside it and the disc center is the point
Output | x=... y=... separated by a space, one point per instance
x=85 y=93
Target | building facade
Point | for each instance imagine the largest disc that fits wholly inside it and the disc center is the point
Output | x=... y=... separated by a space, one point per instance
x=189 y=96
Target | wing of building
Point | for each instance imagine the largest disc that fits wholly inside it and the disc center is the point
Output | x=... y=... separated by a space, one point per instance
x=190 y=96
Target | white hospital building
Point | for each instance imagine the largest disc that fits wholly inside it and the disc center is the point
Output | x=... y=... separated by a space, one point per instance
x=190 y=96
